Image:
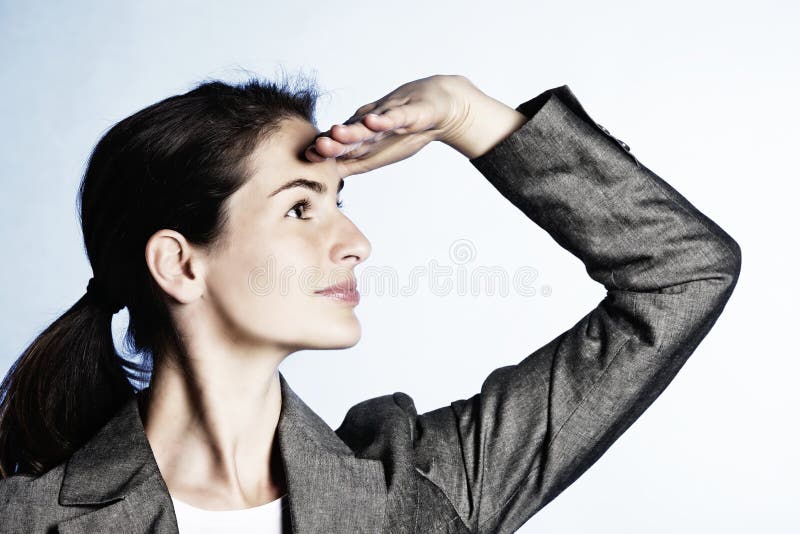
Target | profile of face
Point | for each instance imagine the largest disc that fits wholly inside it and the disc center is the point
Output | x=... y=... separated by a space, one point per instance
x=282 y=244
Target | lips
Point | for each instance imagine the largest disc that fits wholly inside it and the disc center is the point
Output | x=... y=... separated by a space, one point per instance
x=344 y=291
x=348 y=286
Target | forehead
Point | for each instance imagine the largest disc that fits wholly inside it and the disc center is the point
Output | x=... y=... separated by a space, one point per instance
x=294 y=132
x=281 y=156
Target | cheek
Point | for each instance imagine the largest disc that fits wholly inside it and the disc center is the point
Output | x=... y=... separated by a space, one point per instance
x=291 y=266
x=267 y=287
x=271 y=263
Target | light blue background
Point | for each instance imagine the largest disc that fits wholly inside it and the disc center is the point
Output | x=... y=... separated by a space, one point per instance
x=705 y=93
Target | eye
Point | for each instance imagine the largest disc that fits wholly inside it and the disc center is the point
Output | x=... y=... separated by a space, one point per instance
x=303 y=204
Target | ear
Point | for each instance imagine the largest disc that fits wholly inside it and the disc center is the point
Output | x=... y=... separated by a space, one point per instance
x=176 y=265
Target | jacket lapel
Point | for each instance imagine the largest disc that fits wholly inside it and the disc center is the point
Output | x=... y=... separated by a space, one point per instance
x=147 y=508
x=117 y=473
x=329 y=489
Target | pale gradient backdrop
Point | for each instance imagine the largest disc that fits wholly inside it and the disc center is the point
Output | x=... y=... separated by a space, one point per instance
x=705 y=94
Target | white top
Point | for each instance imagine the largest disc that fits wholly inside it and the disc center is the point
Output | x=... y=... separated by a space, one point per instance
x=263 y=519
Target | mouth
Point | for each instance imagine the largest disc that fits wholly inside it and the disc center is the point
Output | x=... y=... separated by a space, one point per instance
x=343 y=292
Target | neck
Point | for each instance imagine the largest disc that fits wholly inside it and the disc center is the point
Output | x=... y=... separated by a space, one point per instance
x=212 y=430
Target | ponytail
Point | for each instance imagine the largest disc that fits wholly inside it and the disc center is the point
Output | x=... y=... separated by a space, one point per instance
x=62 y=389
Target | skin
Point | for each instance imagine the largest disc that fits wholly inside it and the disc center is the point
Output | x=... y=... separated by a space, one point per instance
x=211 y=420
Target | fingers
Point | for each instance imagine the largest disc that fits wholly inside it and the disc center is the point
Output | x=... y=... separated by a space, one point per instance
x=312 y=155
x=371 y=128
x=348 y=138
x=322 y=148
x=344 y=139
x=326 y=147
x=395 y=119
x=360 y=112
x=403 y=119
x=359 y=131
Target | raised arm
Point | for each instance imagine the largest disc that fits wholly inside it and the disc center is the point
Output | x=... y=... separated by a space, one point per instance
x=501 y=455
x=535 y=427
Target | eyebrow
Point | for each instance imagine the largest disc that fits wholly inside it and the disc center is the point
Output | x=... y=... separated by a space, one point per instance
x=317 y=187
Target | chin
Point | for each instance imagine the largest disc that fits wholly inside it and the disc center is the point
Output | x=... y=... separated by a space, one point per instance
x=344 y=342
x=335 y=336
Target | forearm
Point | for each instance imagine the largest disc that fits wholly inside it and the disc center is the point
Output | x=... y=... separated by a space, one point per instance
x=633 y=231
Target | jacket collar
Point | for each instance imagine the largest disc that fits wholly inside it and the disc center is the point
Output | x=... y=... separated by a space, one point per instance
x=329 y=488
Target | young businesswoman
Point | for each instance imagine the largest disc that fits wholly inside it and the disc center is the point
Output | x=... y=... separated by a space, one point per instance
x=201 y=213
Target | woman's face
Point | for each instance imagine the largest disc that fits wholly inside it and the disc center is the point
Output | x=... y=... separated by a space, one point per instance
x=278 y=252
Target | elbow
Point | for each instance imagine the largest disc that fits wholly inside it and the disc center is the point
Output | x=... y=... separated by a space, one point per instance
x=720 y=285
x=733 y=263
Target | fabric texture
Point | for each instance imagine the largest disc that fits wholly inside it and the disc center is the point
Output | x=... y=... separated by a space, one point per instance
x=488 y=463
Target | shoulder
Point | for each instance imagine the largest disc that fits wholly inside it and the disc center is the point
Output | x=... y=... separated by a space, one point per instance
x=419 y=451
x=30 y=502
x=375 y=425
x=389 y=426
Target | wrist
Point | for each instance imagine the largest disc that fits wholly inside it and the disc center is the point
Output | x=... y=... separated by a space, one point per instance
x=479 y=122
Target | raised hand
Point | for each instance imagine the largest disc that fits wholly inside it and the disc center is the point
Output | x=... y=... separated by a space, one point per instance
x=398 y=125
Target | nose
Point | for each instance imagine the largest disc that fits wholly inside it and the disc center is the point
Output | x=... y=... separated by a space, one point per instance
x=351 y=247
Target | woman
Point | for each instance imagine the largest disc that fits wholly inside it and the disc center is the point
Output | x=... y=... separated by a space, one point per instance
x=197 y=209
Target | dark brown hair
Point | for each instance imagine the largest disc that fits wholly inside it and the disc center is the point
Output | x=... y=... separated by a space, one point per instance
x=171 y=165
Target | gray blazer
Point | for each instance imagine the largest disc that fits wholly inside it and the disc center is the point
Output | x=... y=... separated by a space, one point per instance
x=490 y=462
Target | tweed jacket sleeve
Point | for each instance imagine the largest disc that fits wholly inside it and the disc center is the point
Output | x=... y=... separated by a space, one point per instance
x=668 y=270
